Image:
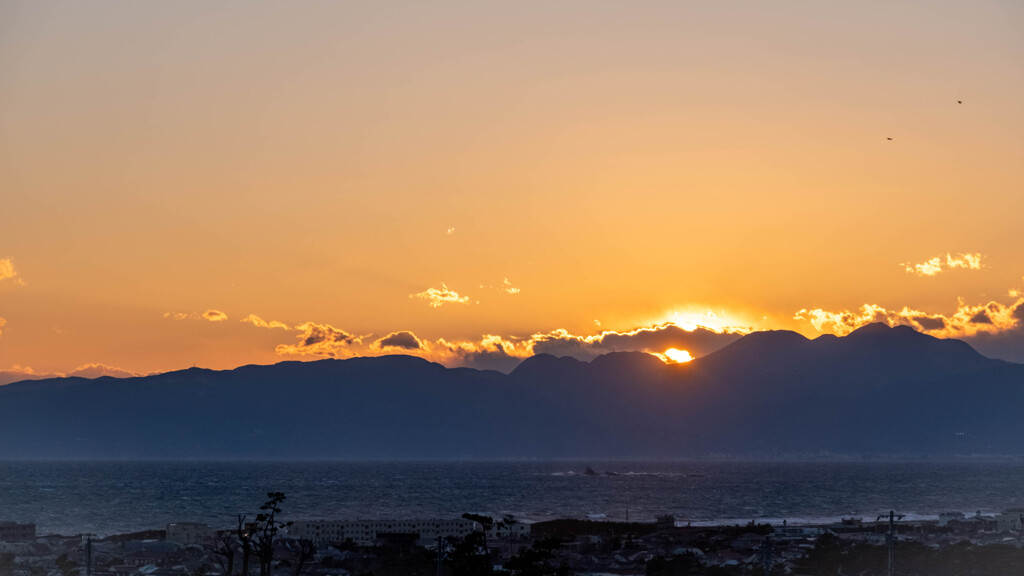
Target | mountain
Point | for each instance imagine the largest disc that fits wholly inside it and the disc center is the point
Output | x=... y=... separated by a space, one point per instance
x=878 y=391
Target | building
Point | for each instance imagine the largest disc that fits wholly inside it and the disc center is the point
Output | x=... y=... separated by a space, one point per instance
x=189 y=533
x=15 y=532
x=1010 y=520
x=946 y=517
x=365 y=532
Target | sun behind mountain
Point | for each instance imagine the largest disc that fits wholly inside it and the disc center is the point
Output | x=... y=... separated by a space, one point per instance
x=677 y=356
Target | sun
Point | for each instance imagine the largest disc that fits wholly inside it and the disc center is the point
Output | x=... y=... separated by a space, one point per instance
x=678 y=356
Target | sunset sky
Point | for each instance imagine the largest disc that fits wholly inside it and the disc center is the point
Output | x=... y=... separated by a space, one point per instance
x=227 y=183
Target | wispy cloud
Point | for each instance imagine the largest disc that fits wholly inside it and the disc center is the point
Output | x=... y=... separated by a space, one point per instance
x=437 y=297
x=2 y=324
x=320 y=340
x=937 y=264
x=965 y=321
x=405 y=340
x=261 y=323
x=209 y=315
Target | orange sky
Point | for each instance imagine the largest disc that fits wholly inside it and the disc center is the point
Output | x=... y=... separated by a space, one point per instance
x=489 y=176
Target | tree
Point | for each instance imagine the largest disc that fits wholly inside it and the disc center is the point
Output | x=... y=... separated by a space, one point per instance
x=255 y=538
x=484 y=521
x=538 y=560
x=466 y=559
x=265 y=529
x=507 y=523
x=304 y=554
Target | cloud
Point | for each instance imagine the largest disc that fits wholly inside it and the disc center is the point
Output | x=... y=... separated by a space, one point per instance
x=7 y=269
x=492 y=352
x=404 y=340
x=18 y=373
x=7 y=272
x=966 y=321
x=95 y=370
x=506 y=286
x=2 y=324
x=320 y=340
x=937 y=264
x=261 y=323
x=436 y=297
x=698 y=342
x=210 y=315
x=215 y=316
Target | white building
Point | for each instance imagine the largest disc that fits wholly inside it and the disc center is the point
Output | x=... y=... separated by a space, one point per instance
x=364 y=532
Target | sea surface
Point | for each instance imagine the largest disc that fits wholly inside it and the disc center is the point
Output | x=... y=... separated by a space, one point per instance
x=105 y=498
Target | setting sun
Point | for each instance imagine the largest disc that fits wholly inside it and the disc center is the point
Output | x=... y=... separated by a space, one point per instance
x=678 y=356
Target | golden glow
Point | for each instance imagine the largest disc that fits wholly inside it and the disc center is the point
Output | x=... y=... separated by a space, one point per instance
x=678 y=356
x=683 y=165
x=720 y=321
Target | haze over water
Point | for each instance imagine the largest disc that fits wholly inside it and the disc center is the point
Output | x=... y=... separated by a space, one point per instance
x=115 y=497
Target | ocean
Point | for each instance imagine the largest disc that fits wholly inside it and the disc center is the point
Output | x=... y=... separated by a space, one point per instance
x=105 y=498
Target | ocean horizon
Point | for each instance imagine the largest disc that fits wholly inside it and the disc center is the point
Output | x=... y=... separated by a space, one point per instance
x=112 y=497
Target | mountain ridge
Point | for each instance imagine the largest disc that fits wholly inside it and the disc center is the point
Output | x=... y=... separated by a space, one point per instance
x=879 y=390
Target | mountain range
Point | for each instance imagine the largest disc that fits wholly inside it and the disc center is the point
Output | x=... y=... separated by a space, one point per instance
x=879 y=391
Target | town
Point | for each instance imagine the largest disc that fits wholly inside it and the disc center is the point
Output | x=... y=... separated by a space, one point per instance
x=955 y=543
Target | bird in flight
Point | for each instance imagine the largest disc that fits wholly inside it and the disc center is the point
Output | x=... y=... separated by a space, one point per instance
x=959 y=101
x=888 y=138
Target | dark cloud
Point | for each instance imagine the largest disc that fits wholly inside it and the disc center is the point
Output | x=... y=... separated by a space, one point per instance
x=697 y=342
x=981 y=318
x=930 y=323
x=405 y=340
x=320 y=340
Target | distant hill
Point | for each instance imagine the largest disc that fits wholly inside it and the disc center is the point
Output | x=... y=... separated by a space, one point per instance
x=878 y=391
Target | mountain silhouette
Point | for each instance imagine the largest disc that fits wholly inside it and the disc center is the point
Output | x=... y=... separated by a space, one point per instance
x=877 y=391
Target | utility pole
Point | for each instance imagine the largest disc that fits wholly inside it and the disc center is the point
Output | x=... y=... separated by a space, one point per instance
x=890 y=536
x=440 y=557
x=88 y=555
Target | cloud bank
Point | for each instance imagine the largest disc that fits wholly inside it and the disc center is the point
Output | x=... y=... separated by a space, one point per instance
x=966 y=321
